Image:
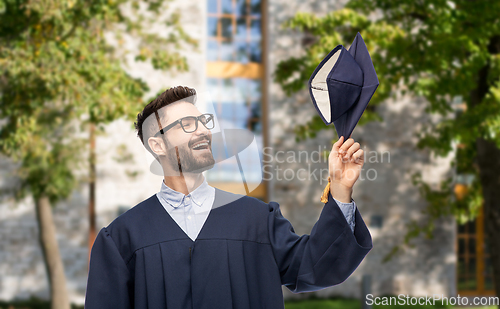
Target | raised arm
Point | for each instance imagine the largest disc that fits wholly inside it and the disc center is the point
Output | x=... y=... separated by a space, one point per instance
x=330 y=254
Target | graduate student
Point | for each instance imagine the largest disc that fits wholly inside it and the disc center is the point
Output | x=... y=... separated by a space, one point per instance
x=195 y=246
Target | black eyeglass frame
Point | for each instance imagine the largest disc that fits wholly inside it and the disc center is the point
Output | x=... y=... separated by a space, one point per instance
x=179 y=121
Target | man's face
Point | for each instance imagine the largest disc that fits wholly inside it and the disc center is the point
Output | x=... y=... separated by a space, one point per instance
x=192 y=151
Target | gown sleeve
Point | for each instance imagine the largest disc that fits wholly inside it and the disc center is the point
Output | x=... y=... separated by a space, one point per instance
x=328 y=256
x=109 y=282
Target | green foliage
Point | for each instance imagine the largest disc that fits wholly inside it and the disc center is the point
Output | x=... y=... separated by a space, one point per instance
x=447 y=52
x=62 y=67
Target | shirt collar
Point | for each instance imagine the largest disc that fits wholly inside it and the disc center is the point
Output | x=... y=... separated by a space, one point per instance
x=175 y=198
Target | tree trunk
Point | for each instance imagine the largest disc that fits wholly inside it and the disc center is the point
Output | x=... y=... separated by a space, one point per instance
x=488 y=157
x=92 y=172
x=488 y=160
x=52 y=258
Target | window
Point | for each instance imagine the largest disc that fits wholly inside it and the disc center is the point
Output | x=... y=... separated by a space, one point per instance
x=234 y=31
x=474 y=269
x=235 y=78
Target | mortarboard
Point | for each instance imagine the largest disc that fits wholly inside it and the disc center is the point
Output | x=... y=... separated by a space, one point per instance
x=342 y=85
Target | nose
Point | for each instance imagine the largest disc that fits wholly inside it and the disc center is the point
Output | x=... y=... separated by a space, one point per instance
x=202 y=130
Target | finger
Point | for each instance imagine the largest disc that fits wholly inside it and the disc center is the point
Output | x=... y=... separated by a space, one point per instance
x=348 y=143
x=358 y=156
x=336 y=145
x=352 y=149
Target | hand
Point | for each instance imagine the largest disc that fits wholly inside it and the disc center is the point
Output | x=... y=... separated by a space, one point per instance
x=345 y=162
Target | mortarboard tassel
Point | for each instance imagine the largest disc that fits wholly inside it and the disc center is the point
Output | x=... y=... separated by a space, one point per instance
x=324 y=196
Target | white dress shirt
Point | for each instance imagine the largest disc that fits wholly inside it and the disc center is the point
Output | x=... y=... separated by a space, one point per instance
x=191 y=211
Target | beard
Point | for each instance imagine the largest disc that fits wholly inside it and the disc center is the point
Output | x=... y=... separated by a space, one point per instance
x=184 y=159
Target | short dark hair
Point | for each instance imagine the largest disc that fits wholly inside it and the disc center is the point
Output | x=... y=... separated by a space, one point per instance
x=169 y=96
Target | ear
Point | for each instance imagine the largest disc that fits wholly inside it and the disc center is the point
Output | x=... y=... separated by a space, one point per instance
x=157 y=145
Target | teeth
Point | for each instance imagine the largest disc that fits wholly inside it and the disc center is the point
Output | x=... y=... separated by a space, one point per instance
x=200 y=145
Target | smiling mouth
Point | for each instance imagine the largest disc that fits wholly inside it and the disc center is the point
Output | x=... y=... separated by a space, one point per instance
x=201 y=145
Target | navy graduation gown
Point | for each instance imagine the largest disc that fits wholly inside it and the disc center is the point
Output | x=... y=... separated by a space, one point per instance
x=245 y=251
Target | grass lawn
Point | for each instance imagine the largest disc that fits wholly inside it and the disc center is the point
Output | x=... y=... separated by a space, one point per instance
x=356 y=304
x=324 y=304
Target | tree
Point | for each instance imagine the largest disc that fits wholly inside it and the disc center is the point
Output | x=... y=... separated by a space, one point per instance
x=60 y=76
x=440 y=50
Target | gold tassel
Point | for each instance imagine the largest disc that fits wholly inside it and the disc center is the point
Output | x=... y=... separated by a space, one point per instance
x=324 y=197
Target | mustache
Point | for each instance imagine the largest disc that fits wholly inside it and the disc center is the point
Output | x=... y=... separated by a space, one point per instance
x=200 y=139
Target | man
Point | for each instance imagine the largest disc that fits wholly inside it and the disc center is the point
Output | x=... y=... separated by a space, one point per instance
x=195 y=246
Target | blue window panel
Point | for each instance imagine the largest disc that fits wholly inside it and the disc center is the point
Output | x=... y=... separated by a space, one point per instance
x=241 y=84
x=225 y=91
x=212 y=82
x=213 y=88
x=255 y=7
x=256 y=128
x=241 y=28
x=212 y=50
x=241 y=7
x=255 y=51
x=241 y=50
x=255 y=109
x=240 y=87
x=212 y=26
x=254 y=89
x=255 y=29
x=226 y=51
x=229 y=93
x=226 y=27
x=242 y=112
x=225 y=111
x=227 y=7
x=236 y=114
x=256 y=115
x=212 y=6
x=251 y=162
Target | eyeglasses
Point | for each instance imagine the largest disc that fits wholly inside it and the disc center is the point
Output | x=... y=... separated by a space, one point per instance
x=190 y=123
